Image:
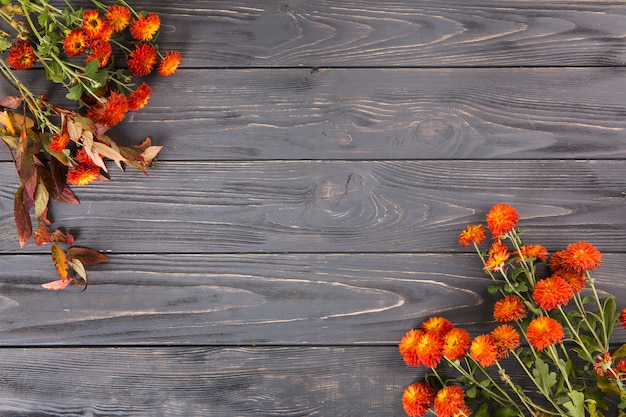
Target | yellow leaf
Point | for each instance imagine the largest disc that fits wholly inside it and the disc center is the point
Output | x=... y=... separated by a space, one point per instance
x=60 y=260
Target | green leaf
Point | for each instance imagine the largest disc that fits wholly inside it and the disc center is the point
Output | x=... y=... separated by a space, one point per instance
x=91 y=68
x=575 y=407
x=505 y=412
x=607 y=386
x=43 y=18
x=620 y=352
x=4 y=44
x=75 y=92
x=493 y=289
x=482 y=411
x=543 y=377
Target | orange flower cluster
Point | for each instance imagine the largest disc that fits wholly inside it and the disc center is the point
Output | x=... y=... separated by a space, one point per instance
x=535 y=306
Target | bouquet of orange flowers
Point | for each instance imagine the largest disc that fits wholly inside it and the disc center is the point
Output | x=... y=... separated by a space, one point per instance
x=55 y=146
x=554 y=331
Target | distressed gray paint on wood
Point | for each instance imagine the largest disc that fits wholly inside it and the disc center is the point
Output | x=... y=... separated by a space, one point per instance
x=320 y=299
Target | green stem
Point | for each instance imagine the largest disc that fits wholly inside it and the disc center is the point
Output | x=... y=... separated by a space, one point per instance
x=546 y=395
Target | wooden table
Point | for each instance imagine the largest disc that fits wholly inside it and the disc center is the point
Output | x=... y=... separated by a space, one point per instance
x=320 y=159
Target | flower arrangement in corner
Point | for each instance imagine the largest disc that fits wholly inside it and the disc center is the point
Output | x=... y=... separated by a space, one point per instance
x=549 y=355
x=54 y=146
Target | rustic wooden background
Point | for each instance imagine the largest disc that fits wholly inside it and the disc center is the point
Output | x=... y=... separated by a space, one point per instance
x=320 y=158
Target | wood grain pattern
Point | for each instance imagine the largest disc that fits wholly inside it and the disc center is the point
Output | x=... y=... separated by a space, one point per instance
x=542 y=113
x=437 y=33
x=320 y=299
x=218 y=382
x=334 y=206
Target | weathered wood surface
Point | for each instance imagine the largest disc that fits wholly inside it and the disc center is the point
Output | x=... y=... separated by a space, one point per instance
x=435 y=33
x=486 y=113
x=320 y=159
x=319 y=299
x=335 y=206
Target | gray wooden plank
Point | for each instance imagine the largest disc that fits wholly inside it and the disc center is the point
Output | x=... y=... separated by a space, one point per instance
x=333 y=206
x=319 y=299
x=400 y=33
x=487 y=113
x=224 y=382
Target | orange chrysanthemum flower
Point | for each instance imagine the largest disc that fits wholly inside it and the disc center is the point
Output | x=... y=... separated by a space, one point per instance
x=581 y=256
x=142 y=59
x=484 y=350
x=508 y=309
x=501 y=219
x=100 y=51
x=622 y=318
x=144 y=28
x=551 y=292
x=139 y=98
x=75 y=43
x=506 y=338
x=408 y=347
x=543 y=332
x=456 y=343
x=169 y=64
x=603 y=364
x=439 y=326
x=450 y=402
x=118 y=17
x=533 y=252
x=557 y=261
x=429 y=349
x=21 y=56
x=60 y=141
x=576 y=280
x=93 y=25
x=473 y=233
x=417 y=399
x=110 y=113
x=83 y=158
x=83 y=174
x=498 y=255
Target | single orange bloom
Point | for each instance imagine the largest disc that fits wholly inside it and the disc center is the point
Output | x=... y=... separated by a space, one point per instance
x=417 y=399
x=576 y=280
x=437 y=325
x=118 y=17
x=508 y=309
x=83 y=158
x=450 y=402
x=498 y=255
x=603 y=364
x=473 y=233
x=100 y=51
x=60 y=141
x=83 y=174
x=110 y=113
x=408 y=347
x=620 y=368
x=75 y=43
x=484 y=350
x=543 y=332
x=622 y=318
x=506 y=338
x=533 y=252
x=557 y=261
x=142 y=59
x=21 y=56
x=144 y=28
x=139 y=98
x=456 y=343
x=93 y=25
x=582 y=256
x=169 y=64
x=551 y=292
x=429 y=349
x=502 y=219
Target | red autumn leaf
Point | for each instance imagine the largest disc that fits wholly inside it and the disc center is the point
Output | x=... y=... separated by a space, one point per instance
x=25 y=162
x=59 y=236
x=57 y=285
x=86 y=256
x=60 y=260
x=42 y=235
x=22 y=218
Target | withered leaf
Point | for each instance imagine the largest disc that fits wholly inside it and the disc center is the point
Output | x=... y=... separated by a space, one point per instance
x=42 y=197
x=11 y=102
x=59 y=236
x=60 y=260
x=86 y=256
x=41 y=235
x=57 y=285
x=22 y=218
